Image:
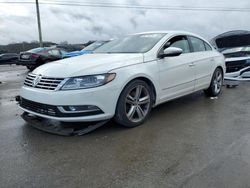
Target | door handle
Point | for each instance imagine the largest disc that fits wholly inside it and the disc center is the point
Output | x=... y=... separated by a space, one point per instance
x=191 y=65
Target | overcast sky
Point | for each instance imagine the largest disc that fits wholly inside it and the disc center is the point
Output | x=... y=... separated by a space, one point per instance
x=79 y=24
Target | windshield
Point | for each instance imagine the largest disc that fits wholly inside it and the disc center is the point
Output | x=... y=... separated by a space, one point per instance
x=140 y=43
x=94 y=46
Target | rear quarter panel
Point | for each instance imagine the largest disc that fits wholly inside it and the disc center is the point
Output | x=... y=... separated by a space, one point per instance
x=219 y=61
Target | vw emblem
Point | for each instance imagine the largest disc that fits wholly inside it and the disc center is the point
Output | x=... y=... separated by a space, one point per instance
x=36 y=80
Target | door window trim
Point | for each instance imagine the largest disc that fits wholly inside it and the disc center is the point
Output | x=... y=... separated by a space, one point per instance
x=204 y=42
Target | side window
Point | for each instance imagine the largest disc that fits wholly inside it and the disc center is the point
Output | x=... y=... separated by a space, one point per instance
x=208 y=48
x=54 y=52
x=50 y=52
x=198 y=44
x=179 y=42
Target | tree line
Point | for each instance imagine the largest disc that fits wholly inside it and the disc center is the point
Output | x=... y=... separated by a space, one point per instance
x=24 y=46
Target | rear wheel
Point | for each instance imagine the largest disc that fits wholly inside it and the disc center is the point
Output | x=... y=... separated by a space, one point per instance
x=134 y=104
x=216 y=84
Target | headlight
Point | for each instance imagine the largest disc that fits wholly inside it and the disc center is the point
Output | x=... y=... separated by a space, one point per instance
x=84 y=82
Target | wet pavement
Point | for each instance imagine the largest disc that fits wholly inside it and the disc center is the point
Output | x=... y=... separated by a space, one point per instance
x=190 y=142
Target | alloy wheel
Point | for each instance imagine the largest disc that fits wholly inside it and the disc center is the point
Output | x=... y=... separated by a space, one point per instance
x=137 y=103
x=217 y=82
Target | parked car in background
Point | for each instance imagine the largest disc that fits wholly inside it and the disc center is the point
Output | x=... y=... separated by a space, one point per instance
x=124 y=78
x=39 y=56
x=8 y=58
x=87 y=50
x=235 y=46
x=237 y=58
x=70 y=47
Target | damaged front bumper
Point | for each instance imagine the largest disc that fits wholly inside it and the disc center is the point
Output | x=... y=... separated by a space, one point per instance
x=235 y=78
x=59 y=128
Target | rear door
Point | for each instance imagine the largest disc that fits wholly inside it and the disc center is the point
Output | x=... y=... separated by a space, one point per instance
x=203 y=57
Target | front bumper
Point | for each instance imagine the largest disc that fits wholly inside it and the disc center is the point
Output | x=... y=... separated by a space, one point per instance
x=104 y=97
x=236 y=65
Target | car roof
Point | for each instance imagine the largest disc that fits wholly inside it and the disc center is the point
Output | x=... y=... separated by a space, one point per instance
x=167 y=32
x=171 y=32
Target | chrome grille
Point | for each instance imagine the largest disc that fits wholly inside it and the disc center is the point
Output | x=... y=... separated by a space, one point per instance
x=43 y=82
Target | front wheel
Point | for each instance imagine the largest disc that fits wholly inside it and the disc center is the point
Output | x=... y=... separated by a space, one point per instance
x=134 y=104
x=216 y=84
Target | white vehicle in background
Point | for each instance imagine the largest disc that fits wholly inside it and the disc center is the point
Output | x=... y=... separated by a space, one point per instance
x=124 y=78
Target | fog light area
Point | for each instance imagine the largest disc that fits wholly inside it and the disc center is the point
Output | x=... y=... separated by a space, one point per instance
x=78 y=109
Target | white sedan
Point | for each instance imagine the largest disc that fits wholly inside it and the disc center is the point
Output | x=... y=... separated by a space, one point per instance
x=124 y=78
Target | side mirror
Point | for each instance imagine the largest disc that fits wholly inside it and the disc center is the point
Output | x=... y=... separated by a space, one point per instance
x=171 y=52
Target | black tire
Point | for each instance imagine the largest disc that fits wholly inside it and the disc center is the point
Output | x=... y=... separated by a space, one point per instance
x=214 y=90
x=136 y=106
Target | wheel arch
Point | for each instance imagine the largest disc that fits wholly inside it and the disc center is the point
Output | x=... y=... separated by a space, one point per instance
x=221 y=68
x=145 y=79
x=215 y=67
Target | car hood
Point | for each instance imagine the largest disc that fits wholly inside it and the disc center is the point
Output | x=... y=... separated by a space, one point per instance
x=232 y=39
x=88 y=64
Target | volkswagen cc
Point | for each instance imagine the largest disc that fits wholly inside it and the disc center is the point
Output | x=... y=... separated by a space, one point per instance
x=124 y=79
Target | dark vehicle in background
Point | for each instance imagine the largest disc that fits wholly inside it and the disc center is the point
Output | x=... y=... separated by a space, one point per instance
x=39 y=56
x=87 y=50
x=8 y=58
x=235 y=46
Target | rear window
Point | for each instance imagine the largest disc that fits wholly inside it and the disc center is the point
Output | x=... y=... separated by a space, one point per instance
x=54 y=52
x=197 y=44
x=208 y=48
x=36 y=50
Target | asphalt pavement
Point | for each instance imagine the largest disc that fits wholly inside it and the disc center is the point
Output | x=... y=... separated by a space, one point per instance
x=190 y=142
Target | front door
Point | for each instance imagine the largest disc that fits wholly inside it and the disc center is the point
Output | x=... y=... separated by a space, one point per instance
x=177 y=74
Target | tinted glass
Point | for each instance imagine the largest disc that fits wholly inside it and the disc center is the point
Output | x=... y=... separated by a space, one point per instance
x=54 y=52
x=140 y=43
x=36 y=50
x=179 y=42
x=198 y=44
